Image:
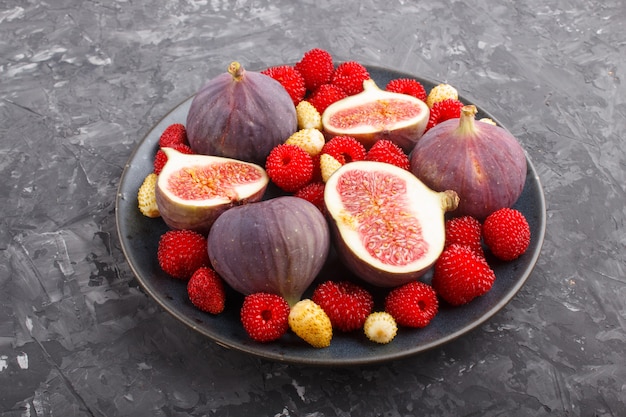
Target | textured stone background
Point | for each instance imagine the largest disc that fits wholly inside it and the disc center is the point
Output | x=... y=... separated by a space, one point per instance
x=81 y=82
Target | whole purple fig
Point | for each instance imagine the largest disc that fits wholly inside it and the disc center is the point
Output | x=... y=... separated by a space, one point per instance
x=482 y=162
x=241 y=115
x=277 y=245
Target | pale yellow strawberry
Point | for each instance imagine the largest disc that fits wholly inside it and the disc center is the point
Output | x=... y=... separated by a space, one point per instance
x=487 y=120
x=328 y=165
x=310 y=139
x=146 y=196
x=441 y=92
x=380 y=327
x=311 y=323
x=308 y=116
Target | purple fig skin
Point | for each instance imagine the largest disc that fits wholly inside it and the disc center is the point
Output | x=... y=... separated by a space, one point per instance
x=240 y=114
x=277 y=245
x=482 y=162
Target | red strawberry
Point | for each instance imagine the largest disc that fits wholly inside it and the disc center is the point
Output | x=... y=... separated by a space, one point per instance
x=465 y=230
x=265 y=316
x=386 y=151
x=349 y=76
x=316 y=67
x=326 y=95
x=506 y=233
x=460 y=275
x=444 y=110
x=290 y=167
x=206 y=290
x=345 y=149
x=317 y=169
x=174 y=134
x=412 y=305
x=346 y=304
x=407 y=86
x=313 y=193
x=182 y=252
x=159 y=161
x=290 y=79
x=160 y=158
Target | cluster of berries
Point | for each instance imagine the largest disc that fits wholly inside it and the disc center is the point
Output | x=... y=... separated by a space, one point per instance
x=462 y=273
x=316 y=79
x=342 y=306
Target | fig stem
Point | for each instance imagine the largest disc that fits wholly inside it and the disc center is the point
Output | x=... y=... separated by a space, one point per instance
x=449 y=200
x=466 y=123
x=236 y=70
x=370 y=85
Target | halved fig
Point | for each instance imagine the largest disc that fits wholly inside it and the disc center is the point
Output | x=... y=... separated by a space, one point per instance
x=193 y=190
x=377 y=114
x=388 y=227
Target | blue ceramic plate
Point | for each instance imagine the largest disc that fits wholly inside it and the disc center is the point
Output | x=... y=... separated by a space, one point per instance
x=139 y=237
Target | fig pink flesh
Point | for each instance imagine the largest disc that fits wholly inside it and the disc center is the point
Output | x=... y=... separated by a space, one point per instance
x=193 y=190
x=210 y=181
x=376 y=113
x=388 y=232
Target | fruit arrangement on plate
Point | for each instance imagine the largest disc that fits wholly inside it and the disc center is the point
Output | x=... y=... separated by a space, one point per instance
x=275 y=171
